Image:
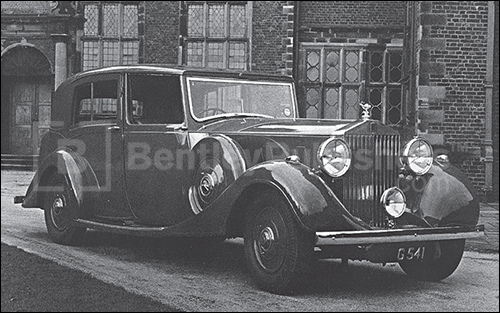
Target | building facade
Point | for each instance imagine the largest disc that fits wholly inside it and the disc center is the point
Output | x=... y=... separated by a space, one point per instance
x=428 y=68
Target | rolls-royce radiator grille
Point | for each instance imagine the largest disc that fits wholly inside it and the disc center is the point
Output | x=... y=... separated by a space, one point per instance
x=374 y=168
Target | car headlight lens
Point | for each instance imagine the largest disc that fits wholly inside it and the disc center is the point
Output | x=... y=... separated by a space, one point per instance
x=417 y=156
x=334 y=157
x=394 y=201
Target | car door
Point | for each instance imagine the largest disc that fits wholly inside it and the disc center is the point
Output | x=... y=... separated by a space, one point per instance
x=96 y=134
x=156 y=151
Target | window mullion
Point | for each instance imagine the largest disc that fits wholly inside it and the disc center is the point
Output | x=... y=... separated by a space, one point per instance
x=100 y=49
x=205 y=35
x=120 y=33
x=100 y=54
x=322 y=70
x=385 y=82
x=384 y=104
x=362 y=74
x=341 y=80
x=225 y=53
x=100 y=17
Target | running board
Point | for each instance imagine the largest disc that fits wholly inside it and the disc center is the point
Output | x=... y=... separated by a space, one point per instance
x=138 y=230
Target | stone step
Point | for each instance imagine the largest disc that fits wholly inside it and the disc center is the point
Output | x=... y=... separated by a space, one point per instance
x=22 y=162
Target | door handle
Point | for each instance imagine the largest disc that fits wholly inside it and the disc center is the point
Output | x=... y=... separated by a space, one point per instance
x=114 y=128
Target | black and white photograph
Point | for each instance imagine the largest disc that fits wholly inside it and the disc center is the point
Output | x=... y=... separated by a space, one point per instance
x=250 y=156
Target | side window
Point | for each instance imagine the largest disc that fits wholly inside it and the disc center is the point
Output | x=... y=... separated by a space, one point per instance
x=155 y=99
x=96 y=101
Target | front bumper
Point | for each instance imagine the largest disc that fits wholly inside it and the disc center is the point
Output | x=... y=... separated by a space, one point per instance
x=366 y=237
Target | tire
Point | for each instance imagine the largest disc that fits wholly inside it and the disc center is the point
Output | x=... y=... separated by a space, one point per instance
x=278 y=251
x=61 y=208
x=437 y=269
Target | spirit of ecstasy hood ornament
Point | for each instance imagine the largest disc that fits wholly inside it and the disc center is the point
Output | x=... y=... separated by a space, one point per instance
x=366 y=115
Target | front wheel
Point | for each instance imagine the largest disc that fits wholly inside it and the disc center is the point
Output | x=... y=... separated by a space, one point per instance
x=60 y=209
x=437 y=269
x=277 y=250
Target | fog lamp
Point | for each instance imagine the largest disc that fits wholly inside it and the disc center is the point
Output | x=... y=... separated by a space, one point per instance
x=394 y=201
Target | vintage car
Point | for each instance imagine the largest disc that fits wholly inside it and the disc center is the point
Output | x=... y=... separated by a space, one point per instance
x=160 y=151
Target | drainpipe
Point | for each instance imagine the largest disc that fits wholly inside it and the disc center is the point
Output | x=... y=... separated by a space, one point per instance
x=488 y=110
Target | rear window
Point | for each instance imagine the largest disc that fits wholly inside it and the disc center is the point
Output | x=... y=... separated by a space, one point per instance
x=97 y=101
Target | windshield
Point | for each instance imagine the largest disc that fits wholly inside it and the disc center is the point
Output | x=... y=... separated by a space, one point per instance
x=213 y=98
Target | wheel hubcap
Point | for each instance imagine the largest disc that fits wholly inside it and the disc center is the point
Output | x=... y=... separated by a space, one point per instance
x=209 y=182
x=58 y=213
x=268 y=242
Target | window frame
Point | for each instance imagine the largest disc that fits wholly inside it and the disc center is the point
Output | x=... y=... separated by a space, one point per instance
x=92 y=80
x=363 y=83
x=386 y=85
x=100 y=38
x=205 y=39
x=127 y=103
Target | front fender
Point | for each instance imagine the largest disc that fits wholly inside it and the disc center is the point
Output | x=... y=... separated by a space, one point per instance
x=314 y=204
x=442 y=197
x=62 y=162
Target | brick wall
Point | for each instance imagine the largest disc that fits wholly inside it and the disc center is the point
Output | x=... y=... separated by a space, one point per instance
x=451 y=80
x=351 y=21
x=161 y=32
x=268 y=32
x=496 y=102
x=352 y=12
x=26 y=7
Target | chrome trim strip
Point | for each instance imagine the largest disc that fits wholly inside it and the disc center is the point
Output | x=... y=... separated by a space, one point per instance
x=397 y=235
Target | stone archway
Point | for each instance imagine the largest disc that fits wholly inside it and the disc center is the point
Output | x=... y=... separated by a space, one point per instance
x=27 y=80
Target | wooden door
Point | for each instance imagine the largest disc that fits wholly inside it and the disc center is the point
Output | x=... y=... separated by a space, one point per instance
x=30 y=103
x=44 y=95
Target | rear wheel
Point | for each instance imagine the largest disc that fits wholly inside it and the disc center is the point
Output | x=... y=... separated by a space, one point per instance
x=278 y=251
x=60 y=209
x=437 y=269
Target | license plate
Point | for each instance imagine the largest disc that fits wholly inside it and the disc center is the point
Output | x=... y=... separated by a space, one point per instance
x=411 y=253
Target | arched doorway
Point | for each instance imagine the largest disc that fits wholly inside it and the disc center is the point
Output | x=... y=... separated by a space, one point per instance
x=27 y=84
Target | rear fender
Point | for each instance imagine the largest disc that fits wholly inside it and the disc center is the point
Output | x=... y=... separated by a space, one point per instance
x=81 y=177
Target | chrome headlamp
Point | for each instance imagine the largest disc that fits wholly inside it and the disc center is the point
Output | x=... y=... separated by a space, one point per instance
x=334 y=157
x=417 y=156
x=394 y=201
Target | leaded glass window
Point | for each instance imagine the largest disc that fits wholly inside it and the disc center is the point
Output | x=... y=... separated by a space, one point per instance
x=110 y=34
x=216 y=34
x=384 y=86
x=336 y=78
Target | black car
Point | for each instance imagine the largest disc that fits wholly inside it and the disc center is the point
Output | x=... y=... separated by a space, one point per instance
x=178 y=152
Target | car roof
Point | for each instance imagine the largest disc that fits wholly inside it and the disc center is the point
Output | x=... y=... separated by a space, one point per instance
x=63 y=95
x=180 y=70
